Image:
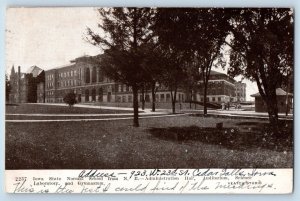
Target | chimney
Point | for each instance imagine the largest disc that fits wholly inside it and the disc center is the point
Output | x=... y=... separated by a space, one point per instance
x=12 y=71
x=19 y=70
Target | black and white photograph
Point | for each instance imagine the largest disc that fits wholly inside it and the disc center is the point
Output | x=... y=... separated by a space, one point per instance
x=113 y=88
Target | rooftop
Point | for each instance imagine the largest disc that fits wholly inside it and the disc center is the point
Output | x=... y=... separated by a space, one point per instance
x=279 y=92
x=63 y=66
x=34 y=70
x=212 y=72
x=85 y=58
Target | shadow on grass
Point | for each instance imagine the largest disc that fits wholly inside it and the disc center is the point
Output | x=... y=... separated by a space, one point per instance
x=255 y=135
x=11 y=104
x=54 y=109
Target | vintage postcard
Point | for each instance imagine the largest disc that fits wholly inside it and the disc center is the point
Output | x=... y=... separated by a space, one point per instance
x=149 y=100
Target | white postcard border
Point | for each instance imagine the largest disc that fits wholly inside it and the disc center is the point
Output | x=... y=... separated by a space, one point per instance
x=149 y=181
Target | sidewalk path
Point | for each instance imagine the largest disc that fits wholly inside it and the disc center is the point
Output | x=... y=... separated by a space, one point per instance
x=76 y=120
x=146 y=110
x=241 y=114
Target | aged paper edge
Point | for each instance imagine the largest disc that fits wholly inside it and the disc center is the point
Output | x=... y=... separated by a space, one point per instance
x=148 y=181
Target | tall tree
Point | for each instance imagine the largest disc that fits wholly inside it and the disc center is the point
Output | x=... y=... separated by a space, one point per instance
x=191 y=82
x=124 y=31
x=207 y=37
x=173 y=72
x=199 y=33
x=153 y=66
x=262 y=50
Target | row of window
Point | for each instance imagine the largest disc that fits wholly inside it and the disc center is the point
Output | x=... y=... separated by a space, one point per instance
x=60 y=100
x=212 y=99
x=216 y=99
x=120 y=98
x=71 y=73
x=49 y=84
x=124 y=88
x=49 y=93
x=123 y=99
x=68 y=83
x=161 y=97
x=50 y=77
x=129 y=98
x=50 y=101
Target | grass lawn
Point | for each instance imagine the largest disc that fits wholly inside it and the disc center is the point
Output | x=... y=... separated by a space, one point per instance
x=53 y=109
x=20 y=117
x=168 y=142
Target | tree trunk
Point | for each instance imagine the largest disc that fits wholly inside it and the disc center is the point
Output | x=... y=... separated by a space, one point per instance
x=273 y=114
x=173 y=99
x=204 y=99
x=270 y=98
x=191 y=95
x=135 y=87
x=190 y=98
x=287 y=108
x=153 y=96
x=135 y=106
x=173 y=106
x=143 y=97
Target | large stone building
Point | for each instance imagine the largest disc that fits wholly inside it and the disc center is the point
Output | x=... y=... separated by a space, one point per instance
x=89 y=84
x=24 y=85
x=221 y=88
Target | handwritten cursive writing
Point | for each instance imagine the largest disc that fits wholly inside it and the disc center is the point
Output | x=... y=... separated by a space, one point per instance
x=95 y=173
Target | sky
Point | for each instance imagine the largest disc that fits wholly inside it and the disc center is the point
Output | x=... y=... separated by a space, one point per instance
x=51 y=37
x=48 y=37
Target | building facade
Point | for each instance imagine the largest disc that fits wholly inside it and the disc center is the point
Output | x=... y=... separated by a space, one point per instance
x=240 y=91
x=24 y=85
x=89 y=84
x=221 y=88
x=284 y=102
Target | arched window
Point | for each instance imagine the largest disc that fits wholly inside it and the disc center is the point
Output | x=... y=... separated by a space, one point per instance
x=87 y=95
x=94 y=74
x=87 y=75
x=93 y=94
x=100 y=75
x=100 y=97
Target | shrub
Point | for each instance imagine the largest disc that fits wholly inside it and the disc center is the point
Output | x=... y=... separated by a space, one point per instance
x=70 y=99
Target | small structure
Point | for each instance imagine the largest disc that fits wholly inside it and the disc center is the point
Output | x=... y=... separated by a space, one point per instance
x=240 y=91
x=24 y=85
x=284 y=101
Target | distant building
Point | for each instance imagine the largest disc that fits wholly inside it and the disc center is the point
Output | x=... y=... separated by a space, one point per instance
x=90 y=84
x=284 y=100
x=24 y=85
x=240 y=91
x=221 y=88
